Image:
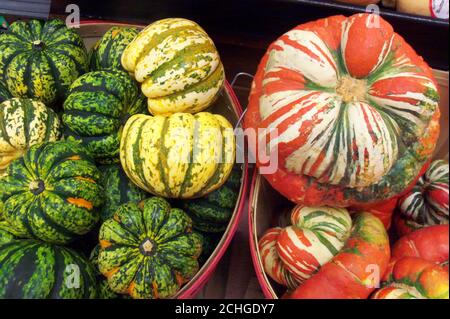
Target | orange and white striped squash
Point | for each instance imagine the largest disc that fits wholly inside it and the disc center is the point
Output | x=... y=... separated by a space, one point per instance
x=347 y=107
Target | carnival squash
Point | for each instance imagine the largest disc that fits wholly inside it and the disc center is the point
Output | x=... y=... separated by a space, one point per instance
x=41 y=59
x=178 y=65
x=4 y=93
x=348 y=112
x=32 y=269
x=148 y=250
x=212 y=212
x=118 y=190
x=23 y=123
x=98 y=105
x=52 y=192
x=427 y=203
x=179 y=156
x=107 y=52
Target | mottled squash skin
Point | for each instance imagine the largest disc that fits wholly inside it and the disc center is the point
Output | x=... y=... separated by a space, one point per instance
x=148 y=250
x=32 y=269
x=41 y=59
x=107 y=52
x=177 y=65
x=4 y=93
x=350 y=112
x=213 y=212
x=178 y=156
x=97 y=107
x=118 y=190
x=23 y=123
x=52 y=193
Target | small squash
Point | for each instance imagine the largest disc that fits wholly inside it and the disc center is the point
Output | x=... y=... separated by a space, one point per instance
x=98 y=105
x=24 y=123
x=118 y=190
x=31 y=269
x=107 y=52
x=148 y=250
x=41 y=59
x=52 y=192
x=178 y=65
x=179 y=156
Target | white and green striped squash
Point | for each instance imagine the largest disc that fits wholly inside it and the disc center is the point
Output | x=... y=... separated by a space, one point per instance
x=23 y=123
x=178 y=65
x=178 y=156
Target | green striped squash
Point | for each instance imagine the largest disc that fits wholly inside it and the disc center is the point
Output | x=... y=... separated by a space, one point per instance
x=213 y=212
x=31 y=269
x=23 y=123
x=148 y=250
x=98 y=105
x=118 y=189
x=103 y=289
x=107 y=52
x=178 y=65
x=52 y=192
x=4 y=93
x=178 y=156
x=41 y=59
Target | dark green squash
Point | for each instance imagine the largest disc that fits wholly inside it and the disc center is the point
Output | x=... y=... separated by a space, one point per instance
x=41 y=59
x=107 y=52
x=52 y=192
x=213 y=212
x=118 y=189
x=210 y=242
x=98 y=105
x=148 y=250
x=31 y=269
x=4 y=93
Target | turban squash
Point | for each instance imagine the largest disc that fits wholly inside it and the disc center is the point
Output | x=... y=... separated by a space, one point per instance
x=346 y=109
x=148 y=250
x=323 y=255
x=52 y=193
x=427 y=202
x=419 y=266
x=41 y=59
x=178 y=65
x=178 y=156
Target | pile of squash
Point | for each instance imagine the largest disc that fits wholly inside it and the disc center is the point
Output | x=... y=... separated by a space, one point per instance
x=350 y=113
x=115 y=181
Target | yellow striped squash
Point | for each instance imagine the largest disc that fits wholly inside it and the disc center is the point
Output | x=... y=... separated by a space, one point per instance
x=178 y=65
x=179 y=156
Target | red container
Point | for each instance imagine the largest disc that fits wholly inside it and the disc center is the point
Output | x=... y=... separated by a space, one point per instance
x=266 y=205
x=228 y=106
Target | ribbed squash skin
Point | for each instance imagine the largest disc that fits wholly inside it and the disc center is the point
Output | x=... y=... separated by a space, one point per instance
x=177 y=64
x=40 y=60
x=213 y=212
x=118 y=190
x=148 y=250
x=4 y=93
x=179 y=156
x=98 y=105
x=31 y=269
x=23 y=123
x=52 y=192
x=354 y=112
x=103 y=290
x=427 y=202
x=107 y=52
